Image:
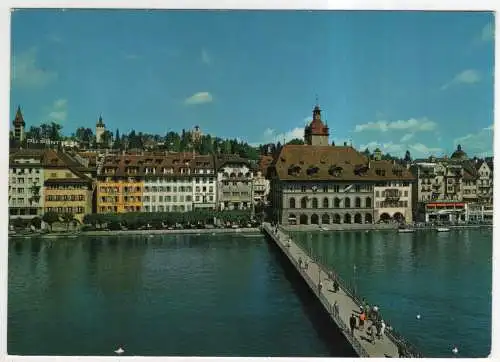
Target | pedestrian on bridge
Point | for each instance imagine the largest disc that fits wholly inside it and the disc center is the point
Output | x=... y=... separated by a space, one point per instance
x=362 y=318
x=352 y=323
x=335 y=285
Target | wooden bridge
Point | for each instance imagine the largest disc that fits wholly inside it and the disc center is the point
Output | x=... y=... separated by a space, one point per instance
x=390 y=345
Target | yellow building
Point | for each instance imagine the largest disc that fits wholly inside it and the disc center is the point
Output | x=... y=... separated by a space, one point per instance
x=66 y=190
x=120 y=185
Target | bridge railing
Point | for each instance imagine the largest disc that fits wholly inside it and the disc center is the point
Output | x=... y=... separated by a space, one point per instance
x=408 y=349
x=340 y=323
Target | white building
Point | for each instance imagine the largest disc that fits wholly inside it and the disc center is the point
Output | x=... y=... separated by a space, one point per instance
x=261 y=188
x=485 y=182
x=204 y=183
x=393 y=201
x=26 y=191
x=167 y=189
x=234 y=183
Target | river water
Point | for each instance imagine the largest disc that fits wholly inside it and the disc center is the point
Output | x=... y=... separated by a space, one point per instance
x=233 y=295
x=225 y=295
x=445 y=278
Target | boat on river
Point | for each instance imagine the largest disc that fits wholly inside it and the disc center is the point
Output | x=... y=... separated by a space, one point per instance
x=442 y=229
x=406 y=230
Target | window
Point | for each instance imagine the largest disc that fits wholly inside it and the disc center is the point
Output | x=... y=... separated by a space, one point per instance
x=406 y=193
x=303 y=189
x=377 y=193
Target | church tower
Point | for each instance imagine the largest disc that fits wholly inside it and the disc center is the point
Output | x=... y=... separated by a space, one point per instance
x=19 y=126
x=316 y=133
x=100 y=128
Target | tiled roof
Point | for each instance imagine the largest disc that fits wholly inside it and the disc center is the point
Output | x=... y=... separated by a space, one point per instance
x=179 y=163
x=222 y=160
x=304 y=162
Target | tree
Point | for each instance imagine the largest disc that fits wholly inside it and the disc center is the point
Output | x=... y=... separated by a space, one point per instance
x=36 y=222
x=407 y=156
x=19 y=223
x=367 y=153
x=106 y=138
x=67 y=219
x=50 y=217
x=296 y=141
x=117 y=142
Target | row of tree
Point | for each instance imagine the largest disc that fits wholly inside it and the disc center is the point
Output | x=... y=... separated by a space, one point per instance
x=172 y=141
x=159 y=220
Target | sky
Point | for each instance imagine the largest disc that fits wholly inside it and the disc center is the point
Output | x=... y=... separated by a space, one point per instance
x=417 y=81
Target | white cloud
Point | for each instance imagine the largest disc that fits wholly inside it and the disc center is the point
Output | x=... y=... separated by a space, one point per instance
x=270 y=135
x=412 y=125
x=199 y=98
x=468 y=76
x=59 y=111
x=27 y=73
x=477 y=143
x=205 y=57
x=407 y=137
x=421 y=150
x=487 y=32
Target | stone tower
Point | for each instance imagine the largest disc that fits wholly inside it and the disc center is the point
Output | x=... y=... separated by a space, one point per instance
x=100 y=128
x=19 y=126
x=316 y=133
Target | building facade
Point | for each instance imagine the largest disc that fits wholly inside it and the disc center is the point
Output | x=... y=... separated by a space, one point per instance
x=168 y=184
x=484 y=182
x=120 y=185
x=26 y=179
x=68 y=192
x=234 y=183
x=261 y=188
x=204 y=182
x=445 y=188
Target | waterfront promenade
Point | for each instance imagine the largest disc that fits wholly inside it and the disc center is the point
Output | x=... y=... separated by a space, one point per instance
x=347 y=304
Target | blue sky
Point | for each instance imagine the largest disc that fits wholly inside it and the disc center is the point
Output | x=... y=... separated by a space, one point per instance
x=398 y=80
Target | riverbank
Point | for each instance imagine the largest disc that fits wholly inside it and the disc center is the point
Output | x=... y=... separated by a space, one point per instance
x=73 y=234
x=373 y=227
x=340 y=227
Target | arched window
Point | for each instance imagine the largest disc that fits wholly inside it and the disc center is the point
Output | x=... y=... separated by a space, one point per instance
x=347 y=202
x=303 y=203
x=292 y=203
x=336 y=202
x=347 y=218
x=303 y=219
x=368 y=218
x=314 y=219
x=358 y=202
x=325 y=203
x=336 y=219
x=325 y=219
x=358 y=219
x=314 y=203
x=368 y=202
